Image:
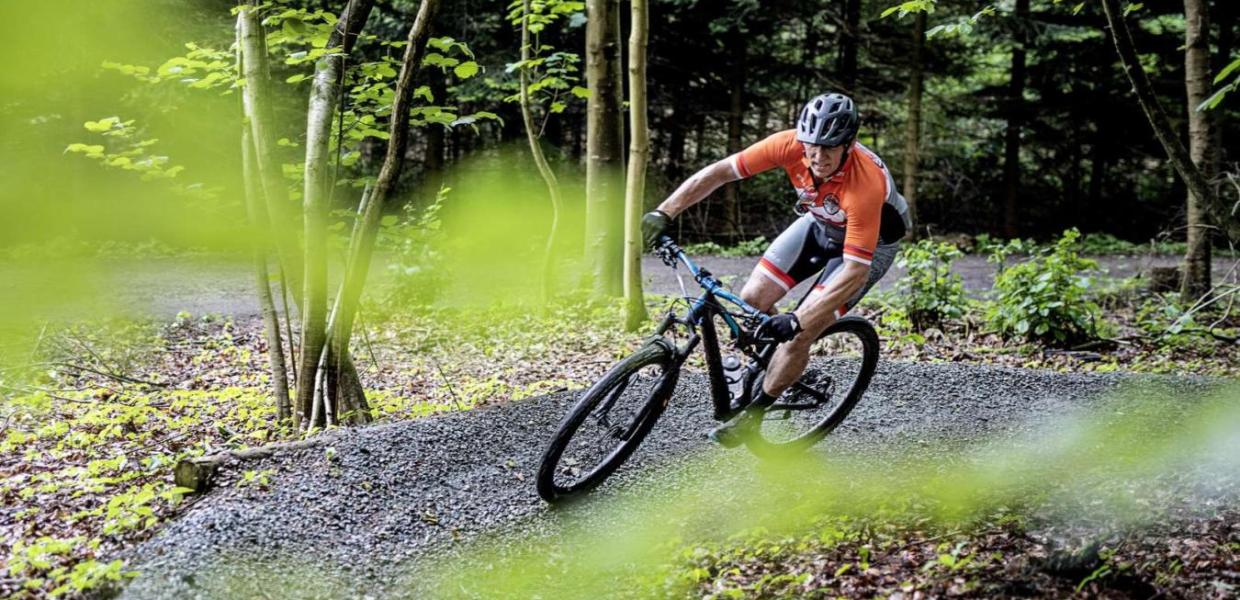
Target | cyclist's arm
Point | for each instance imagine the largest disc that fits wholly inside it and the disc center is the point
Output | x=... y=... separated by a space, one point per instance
x=816 y=315
x=699 y=186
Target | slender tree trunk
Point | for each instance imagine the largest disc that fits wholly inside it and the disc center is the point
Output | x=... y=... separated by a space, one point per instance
x=677 y=136
x=912 y=138
x=849 y=41
x=435 y=144
x=361 y=246
x=325 y=94
x=1179 y=156
x=1015 y=110
x=260 y=228
x=544 y=169
x=1197 y=79
x=639 y=155
x=736 y=122
x=257 y=98
x=604 y=149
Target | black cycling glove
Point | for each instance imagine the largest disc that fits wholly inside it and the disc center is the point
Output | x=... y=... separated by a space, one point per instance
x=779 y=328
x=653 y=225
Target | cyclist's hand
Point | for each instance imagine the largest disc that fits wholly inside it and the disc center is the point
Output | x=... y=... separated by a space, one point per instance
x=653 y=225
x=779 y=328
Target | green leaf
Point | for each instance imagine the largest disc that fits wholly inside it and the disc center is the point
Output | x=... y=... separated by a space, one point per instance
x=297 y=78
x=466 y=70
x=1228 y=70
x=1133 y=7
x=388 y=221
x=580 y=92
x=102 y=124
x=1215 y=99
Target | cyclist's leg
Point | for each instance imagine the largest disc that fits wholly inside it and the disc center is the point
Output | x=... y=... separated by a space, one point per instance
x=793 y=257
x=792 y=357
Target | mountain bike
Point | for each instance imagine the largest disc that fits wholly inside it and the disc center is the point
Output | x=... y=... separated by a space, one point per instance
x=614 y=415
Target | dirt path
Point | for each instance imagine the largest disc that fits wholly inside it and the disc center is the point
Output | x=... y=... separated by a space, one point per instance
x=365 y=513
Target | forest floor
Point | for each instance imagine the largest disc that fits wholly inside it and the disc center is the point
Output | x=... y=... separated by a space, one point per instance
x=85 y=458
x=445 y=506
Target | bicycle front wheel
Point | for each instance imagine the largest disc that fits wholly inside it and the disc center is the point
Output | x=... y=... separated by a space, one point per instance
x=827 y=391
x=608 y=423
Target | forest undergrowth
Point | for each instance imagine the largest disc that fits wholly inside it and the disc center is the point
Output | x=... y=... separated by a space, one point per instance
x=106 y=409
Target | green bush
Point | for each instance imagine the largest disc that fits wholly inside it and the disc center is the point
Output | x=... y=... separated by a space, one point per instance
x=1045 y=299
x=930 y=292
x=411 y=240
x=752 y=247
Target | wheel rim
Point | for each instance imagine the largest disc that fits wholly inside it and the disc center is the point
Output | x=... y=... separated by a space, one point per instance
x=837 y=361
x=606 y=431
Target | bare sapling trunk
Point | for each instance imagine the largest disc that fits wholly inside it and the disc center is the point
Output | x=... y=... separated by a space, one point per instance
x=544 y=169
x=325 y=93
x=736 y=122
x=256 y=94
x=1179 y=156
x=1015 y=111
x=260 y=227
x=361 y=246
x=639 y=155
x=604 y=244
x=912 y=138
x=1196 y=281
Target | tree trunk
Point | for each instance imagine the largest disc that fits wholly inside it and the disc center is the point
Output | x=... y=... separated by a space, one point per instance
x=604 y=149
x=1015 y=108
x=736 y=122
x=260 y=227
x=639 y=154
x=256 y=97
x=1180 y=158
x=848 y=45
x=361 y=245
x=912 y=138
x=677 y=136
x=325 y=94
x=544 y=169
x=1197 y=80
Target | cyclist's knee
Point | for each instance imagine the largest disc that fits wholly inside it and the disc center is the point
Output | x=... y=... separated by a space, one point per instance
x=761 y=293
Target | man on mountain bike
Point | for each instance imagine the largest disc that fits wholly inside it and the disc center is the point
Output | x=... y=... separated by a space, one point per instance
x=852 y=218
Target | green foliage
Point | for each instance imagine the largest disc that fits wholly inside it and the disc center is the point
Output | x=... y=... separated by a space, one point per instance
x=414 y=260
x=753 y=247
x=1046 y=298
x=1217 y=98
x=553 y=74
x=929 y=292
x=126 y=151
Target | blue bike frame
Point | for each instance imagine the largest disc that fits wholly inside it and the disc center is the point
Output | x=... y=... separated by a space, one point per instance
x=699 y=318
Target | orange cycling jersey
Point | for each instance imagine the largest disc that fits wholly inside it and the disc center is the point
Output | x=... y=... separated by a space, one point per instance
x=857 y=204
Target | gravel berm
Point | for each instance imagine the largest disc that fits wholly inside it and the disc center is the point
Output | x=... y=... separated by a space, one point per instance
x=387 y=496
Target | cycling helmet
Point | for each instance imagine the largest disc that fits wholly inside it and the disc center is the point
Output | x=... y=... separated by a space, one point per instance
x=828 y=120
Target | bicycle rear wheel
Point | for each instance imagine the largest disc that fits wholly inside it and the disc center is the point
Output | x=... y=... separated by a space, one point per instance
x=608 y=423
x=825 y=394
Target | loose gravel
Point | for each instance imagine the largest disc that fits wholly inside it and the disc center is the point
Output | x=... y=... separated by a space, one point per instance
x=349 y=518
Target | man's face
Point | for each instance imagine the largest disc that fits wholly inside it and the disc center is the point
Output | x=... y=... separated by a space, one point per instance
x=823 y=161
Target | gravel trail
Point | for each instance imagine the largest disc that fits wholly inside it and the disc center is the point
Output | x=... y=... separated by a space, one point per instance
x=385 y=497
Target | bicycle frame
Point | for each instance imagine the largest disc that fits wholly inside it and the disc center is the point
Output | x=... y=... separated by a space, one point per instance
x=700 y=317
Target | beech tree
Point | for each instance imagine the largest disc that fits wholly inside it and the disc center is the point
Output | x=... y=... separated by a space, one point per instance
x=604 y=149
x=1180 y=157
x=639 y=154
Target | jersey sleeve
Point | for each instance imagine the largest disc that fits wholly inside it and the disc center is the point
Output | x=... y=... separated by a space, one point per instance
x=776 y=150
x=864 y=218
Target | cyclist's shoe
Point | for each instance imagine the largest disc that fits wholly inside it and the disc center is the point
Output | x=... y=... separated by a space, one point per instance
x=731 y=435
